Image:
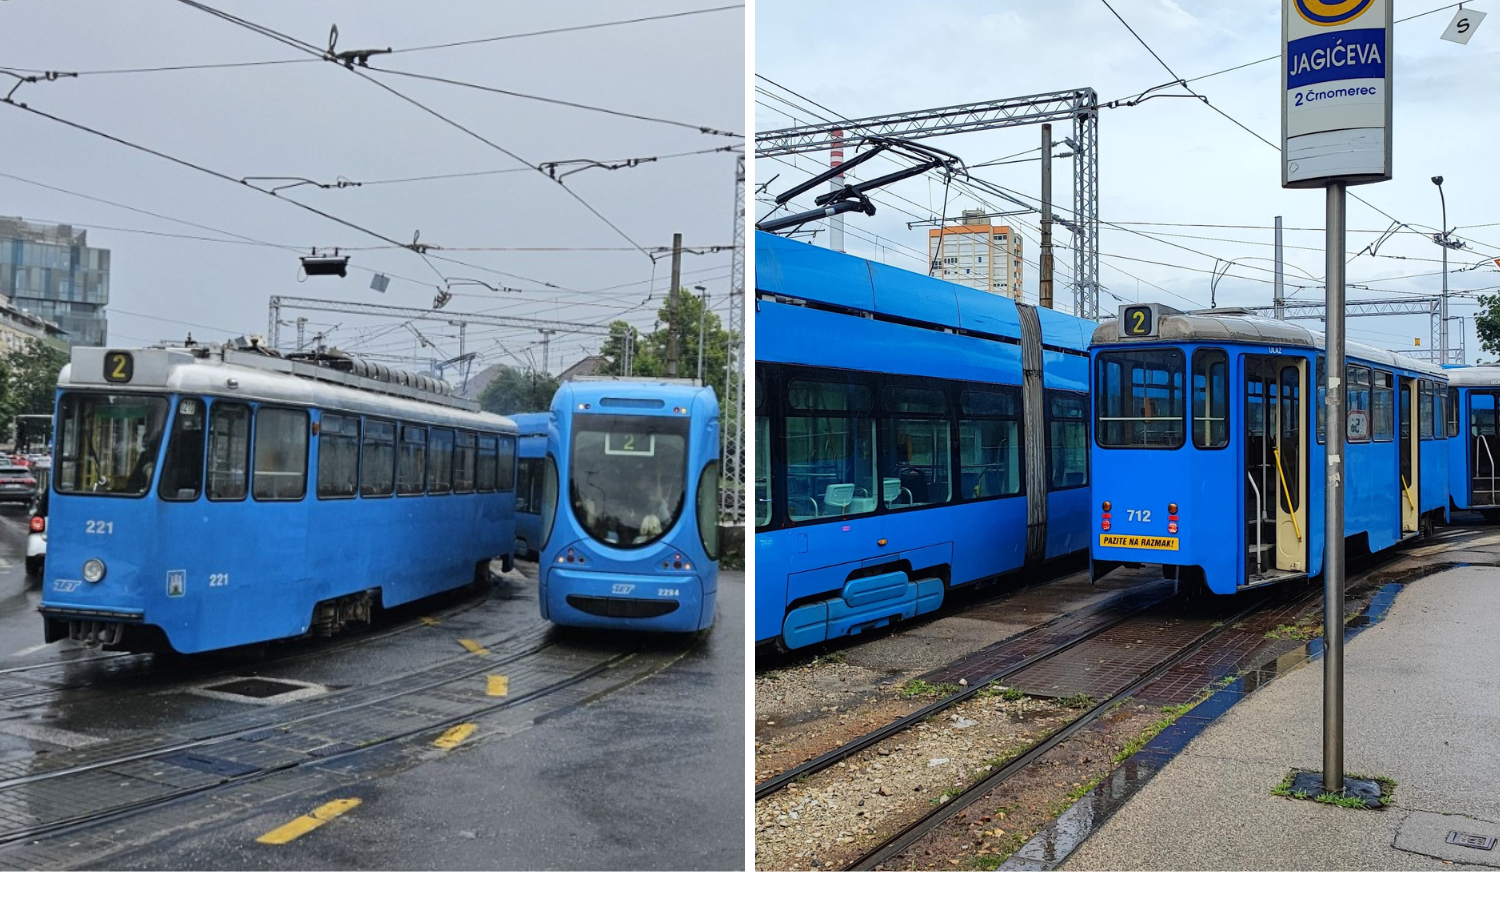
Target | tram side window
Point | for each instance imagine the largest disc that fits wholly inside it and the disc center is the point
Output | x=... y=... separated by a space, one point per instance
x=413 y=461
x=463 y=463
x=280 y=454
x=830 y=449
x=916 y=456
x=440 y=461
x=228 y=451
x=378 y=478
x=1439 y=410
x=1321 y=413
x=1424 y=409
x=1210 y=399
x=485 y=477
x=506 y=479
x=338 y=456
x=1139 y=400
x=1383 y=407
x=182 y=471
x=989 y=443
x=529 y=486
x=1357 y=404
x=1452 y=412
x=1067 y=440
x=762 y=457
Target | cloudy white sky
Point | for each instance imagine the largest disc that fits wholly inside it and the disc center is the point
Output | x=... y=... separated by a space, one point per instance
x=1200 y=180
x=315 y=120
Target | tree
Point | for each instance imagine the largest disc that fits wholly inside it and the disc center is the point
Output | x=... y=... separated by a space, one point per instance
x=649 y=351
x=29 y=379
x=518 y=391
x=1487 y=323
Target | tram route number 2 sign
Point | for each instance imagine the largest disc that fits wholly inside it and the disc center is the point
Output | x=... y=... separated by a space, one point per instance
x=1137 y=542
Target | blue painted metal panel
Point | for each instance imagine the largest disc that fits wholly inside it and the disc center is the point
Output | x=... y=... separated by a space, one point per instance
x=985 y=313
x=918 y=298
x=531 y=444
x=794 y=269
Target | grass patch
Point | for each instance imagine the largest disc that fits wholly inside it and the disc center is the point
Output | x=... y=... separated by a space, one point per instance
x=1170 y=714
x=1003 y=692
x=1073 y=796
x=1077 y=701
x=947 y=795
x=1304 y=629
x=917 y=689
x=829 y=659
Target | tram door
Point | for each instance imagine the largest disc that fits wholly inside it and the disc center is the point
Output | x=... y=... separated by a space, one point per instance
x=1275 y=467
x=1410 y=520
x=1484 y=448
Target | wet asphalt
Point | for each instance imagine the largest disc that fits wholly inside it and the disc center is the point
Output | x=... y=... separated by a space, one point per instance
x=648 y=777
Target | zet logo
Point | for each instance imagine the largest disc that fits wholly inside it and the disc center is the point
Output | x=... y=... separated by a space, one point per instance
x=1325 y=14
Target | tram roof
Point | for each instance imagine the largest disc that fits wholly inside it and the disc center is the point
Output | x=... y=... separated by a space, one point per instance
x=788 y=268
x=1474 y=376
x=1234 y=327
x=226 y=373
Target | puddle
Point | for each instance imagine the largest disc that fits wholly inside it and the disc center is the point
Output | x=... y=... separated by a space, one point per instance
x=1049 y=847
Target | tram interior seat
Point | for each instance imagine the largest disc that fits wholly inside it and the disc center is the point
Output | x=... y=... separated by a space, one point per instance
x=915 y=485
x=839 y=496
x=891 y=489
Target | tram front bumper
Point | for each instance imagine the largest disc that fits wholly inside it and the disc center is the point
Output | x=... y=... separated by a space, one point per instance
x=647 y=602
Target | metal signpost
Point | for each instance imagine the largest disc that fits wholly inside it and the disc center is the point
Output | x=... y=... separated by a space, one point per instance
x=1335 y=132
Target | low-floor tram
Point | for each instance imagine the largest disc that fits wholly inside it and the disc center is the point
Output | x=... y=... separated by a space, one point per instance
x=911 y=436
x=1474 y=439
x=1208 y=456
x=531 y=455
x=206 y=497
x=630 y=506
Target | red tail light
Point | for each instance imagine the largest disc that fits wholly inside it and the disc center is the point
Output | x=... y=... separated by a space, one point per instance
x=1171 y=528
x=29 y=482
x=38 y=524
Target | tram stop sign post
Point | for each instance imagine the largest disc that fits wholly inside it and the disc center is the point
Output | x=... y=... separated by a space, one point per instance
x=1335 y=132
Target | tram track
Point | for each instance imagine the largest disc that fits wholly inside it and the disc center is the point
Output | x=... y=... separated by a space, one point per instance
x=1184 y=663
x=907 y=836
x=116 y=665
x=777 y=782
x=60 y=825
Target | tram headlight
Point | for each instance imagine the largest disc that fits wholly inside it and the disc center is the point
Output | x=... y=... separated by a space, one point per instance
x=93 y=571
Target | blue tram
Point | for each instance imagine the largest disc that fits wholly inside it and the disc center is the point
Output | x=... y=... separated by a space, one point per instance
x=1474 y=439
x=206 y=497
x=1207 y=455
x=911 y=436
x=531 y=452
x=630 y=500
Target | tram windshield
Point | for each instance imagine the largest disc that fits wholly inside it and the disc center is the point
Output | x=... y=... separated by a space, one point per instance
x=628 y=476
x=1139 y=399
x=107 y=443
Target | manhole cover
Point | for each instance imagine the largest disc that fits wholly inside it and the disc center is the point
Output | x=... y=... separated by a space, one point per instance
x=258 y=688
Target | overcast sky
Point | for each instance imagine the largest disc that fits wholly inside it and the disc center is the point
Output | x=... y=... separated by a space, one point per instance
x=315 y=120
x=1171 y=161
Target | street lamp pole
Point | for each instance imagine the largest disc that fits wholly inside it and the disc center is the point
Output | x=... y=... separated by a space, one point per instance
x=702 y=313
x=1443 y=303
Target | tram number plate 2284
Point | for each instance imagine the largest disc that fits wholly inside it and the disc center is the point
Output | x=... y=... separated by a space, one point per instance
x=1137 y=542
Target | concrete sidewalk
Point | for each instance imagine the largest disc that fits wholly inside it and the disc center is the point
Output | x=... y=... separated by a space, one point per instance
x=1422 y=707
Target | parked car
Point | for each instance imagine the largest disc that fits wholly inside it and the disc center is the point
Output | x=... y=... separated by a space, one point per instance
x=17 y=484
x=36 y=537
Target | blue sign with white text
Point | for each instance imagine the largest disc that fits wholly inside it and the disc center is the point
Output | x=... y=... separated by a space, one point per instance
x=1339 y=56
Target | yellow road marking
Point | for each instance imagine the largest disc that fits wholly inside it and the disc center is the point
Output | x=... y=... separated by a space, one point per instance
x=454 y=736
x=303 y=824
x=473 y=646
x=428 y=620
x=499 y=686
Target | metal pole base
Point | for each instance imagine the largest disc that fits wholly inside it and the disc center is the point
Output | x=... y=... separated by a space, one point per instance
x=1365 y=793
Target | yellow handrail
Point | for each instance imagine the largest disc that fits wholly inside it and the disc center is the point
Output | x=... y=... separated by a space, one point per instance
x=1295 y=527
x=1406 y=489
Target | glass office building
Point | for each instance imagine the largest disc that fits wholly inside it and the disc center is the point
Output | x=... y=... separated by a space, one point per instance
x=50 y=272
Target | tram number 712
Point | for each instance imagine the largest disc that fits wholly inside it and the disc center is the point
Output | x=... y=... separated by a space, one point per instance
x=1138 y=515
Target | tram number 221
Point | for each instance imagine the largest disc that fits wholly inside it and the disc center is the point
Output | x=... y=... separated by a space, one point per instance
x=1139 y=515
x=98 y=526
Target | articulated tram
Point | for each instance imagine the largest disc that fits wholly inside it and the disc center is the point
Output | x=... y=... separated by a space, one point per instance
x=1208 y=450
x=206 y=497
x=630 y=506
